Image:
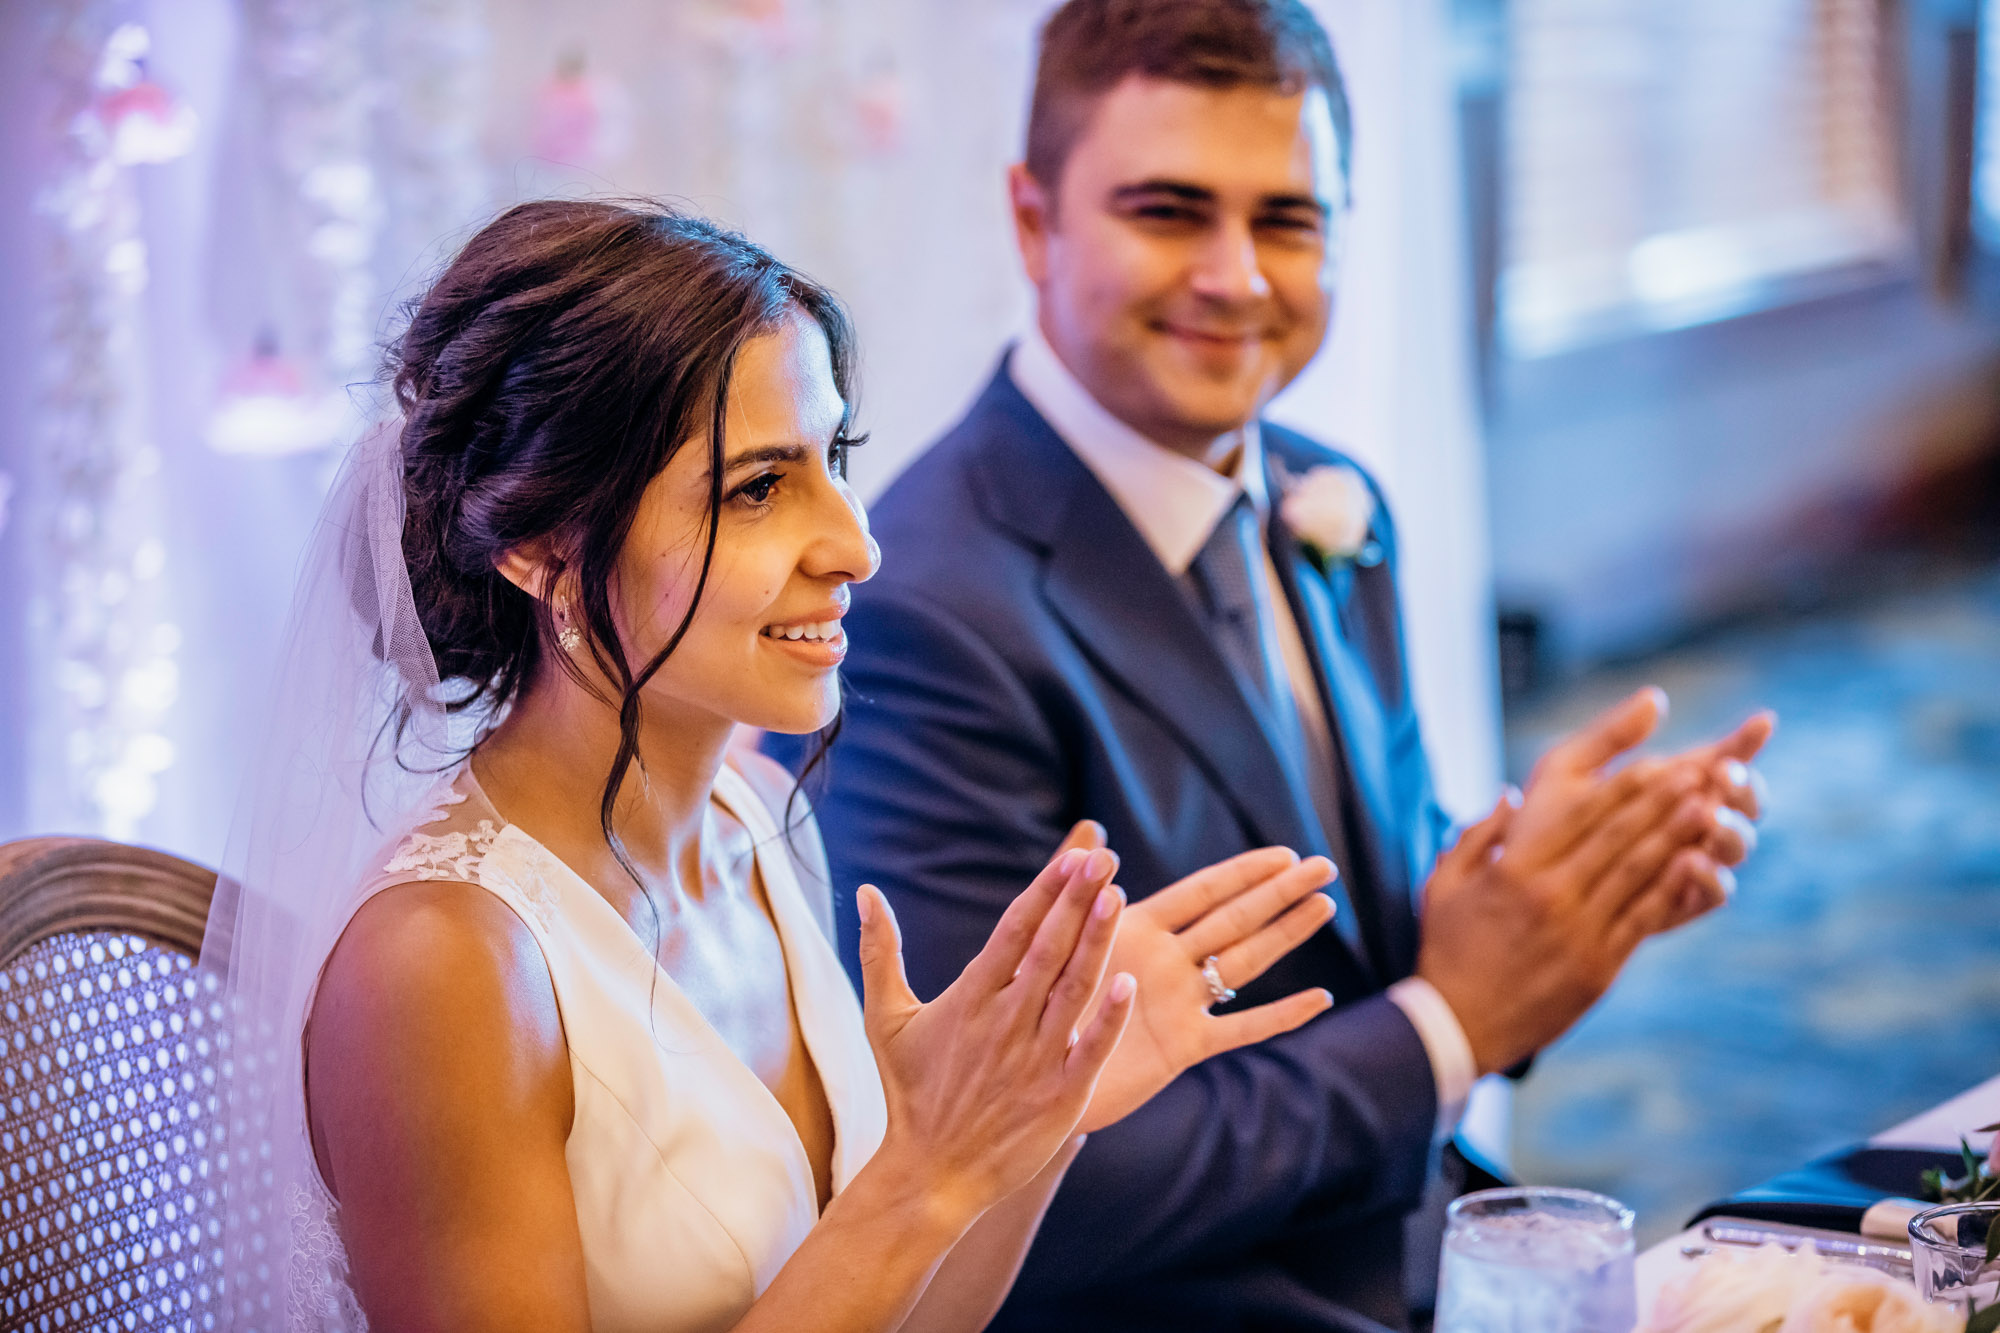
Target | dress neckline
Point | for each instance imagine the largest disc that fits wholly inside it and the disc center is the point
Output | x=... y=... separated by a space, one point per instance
x=799 y=938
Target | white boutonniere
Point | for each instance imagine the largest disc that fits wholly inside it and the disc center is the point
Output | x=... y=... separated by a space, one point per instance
x=1330 y=509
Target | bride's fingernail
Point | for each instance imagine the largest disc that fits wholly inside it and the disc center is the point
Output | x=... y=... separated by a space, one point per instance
x=1069 y=861
x=1122 y=987
x=864 y=906
x=1106 y=904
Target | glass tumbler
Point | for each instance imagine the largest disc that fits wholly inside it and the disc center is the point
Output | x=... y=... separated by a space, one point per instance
x=1535 y=1259
x=1948 y=1252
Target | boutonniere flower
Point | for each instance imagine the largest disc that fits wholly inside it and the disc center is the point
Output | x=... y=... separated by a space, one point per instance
x=1330 y=510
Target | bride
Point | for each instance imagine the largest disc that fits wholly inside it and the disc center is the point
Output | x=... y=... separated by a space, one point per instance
x=576 y=1051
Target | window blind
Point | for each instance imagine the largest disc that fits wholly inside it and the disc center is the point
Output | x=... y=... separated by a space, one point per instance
x=1669 y=162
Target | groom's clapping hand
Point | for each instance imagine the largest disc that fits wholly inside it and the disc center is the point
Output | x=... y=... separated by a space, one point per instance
x=1528 y=920
x=1726 y=774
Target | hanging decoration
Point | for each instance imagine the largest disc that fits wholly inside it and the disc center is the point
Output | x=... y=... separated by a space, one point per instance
x=317 y=95
x=264 y=408
x=579 y=119
x=375 y=156
x=771 y=20
x=111 y=673
x=140 y=119
x=771 y=28
x=430 y=147
x=880 y=107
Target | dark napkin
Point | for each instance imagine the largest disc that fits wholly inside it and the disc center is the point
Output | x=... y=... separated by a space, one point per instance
x=1833 y=1192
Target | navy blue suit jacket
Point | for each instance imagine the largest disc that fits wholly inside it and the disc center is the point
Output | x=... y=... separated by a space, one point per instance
x=1023 y=661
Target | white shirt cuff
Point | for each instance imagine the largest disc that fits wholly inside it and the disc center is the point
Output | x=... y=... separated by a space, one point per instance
x=1452 y=1067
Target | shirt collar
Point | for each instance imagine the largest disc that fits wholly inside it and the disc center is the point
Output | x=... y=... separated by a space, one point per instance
x=1173 y=500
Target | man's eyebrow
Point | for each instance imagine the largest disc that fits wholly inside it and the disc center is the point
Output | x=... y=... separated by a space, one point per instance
x=766 y=453
x=1140 y=191
x=1193 y=194
x=1305 y=202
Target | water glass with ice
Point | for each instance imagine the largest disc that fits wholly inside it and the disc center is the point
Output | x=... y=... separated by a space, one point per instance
x=1948 y=1250
x=1536 y=1259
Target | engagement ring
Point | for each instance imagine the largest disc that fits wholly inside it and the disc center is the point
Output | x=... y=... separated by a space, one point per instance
x=1212 y=974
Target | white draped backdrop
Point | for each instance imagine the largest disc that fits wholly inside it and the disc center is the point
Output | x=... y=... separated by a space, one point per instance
x=210 y=207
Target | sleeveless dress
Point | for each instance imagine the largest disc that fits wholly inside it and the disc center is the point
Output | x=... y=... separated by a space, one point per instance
x=692 y=1187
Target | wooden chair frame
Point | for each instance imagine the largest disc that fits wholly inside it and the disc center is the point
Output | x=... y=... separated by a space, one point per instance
x=51 y=886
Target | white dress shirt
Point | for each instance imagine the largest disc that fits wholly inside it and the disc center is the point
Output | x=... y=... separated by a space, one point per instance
x=1175 y=502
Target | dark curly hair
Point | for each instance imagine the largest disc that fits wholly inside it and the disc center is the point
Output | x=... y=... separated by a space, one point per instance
x=545 y=378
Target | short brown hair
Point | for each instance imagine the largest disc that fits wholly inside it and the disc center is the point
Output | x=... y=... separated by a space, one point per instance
x=1089 y=46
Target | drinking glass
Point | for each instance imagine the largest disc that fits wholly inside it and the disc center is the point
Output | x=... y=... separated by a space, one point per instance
x=1537 y=1260
x=1948 y=1252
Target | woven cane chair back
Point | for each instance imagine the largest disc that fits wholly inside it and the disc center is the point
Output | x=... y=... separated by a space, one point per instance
x=110 y=1047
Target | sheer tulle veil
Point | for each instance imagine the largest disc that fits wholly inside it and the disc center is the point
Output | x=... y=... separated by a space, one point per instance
x=357 y=734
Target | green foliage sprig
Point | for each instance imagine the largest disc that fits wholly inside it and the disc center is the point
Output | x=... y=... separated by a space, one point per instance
x=1977 y=1185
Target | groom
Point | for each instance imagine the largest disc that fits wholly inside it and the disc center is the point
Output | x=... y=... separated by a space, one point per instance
x=1092 y=606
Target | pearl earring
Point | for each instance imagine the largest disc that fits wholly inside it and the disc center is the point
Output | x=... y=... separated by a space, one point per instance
x=568 y=637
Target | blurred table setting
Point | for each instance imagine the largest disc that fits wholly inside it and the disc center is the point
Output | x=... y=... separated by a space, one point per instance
x=1900 y=1234
x=1793 y=1249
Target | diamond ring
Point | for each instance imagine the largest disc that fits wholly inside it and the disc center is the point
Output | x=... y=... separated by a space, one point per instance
x=1218 y=990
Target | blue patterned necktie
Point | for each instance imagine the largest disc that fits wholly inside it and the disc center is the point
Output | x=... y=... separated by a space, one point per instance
x=1233 y=596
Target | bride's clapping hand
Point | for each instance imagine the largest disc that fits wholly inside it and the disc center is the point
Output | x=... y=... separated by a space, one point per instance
x=1245 y=914
x=986 y=1083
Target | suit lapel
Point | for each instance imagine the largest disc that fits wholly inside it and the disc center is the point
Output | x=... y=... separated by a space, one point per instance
x=1127 y=613
x=1361 y=743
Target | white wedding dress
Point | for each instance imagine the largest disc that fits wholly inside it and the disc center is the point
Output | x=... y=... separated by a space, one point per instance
x=692 y=1187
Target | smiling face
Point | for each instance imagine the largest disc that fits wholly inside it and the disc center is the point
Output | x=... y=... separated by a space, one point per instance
x=1184 y=262
x=766 y=642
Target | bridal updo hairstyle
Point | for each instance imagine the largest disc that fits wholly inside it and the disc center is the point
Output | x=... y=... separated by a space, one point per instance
x=545 y=378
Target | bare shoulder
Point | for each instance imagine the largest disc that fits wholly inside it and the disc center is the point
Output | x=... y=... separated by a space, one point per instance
x=440 y=1104
x=442 y=945
x=435 y=1007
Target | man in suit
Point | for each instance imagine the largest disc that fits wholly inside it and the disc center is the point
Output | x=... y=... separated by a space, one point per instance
x=1093 y=606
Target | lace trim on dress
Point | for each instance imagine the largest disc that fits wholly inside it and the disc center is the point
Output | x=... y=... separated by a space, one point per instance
x=318 y=1296
x=444 y=855
x=467 y=856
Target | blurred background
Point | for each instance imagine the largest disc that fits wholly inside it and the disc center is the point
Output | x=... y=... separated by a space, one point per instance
x=1671 y=326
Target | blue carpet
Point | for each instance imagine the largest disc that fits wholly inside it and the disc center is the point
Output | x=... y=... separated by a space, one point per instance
x=1855 y=979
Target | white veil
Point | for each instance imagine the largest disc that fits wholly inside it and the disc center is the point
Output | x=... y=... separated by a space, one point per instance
x=357 y=736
